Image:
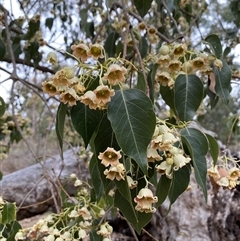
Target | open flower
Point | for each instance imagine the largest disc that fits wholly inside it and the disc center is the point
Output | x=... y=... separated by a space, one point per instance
x=105 y=230
x=69 y=96
x=198 y=63
x=115 y=74
x=131 y=183
x=144 y=201
x=179 y=161
x=80 y=51
x=96 y=51
x=163 y=60
x=103 y=94
x=48 y=87
x=89 y=99
x=85 y=213
x=174 y=66
x=152 y=155
x=110 y=157
x=52 y=58
x=179 y=50
x=166 y=167
x=117 y=172
x=163 y=78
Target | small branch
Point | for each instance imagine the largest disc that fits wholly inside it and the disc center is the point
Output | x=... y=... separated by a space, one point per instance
x=150 y=235
x=22 y=61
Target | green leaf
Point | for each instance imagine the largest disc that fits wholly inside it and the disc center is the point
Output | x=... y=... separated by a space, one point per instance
x=60 y=120
x=2 y=49
x=163 y=187
x=223 y=80
x=179 y=183
x=85 y=121
x=168 y=96
x=1 y=175
x=49 y=23
x=33 y=27
x=110 y=44
x=214 y=148
x=188 y=95
x=2 y=107
x=194 y=146
x=94 y=236
x=137 y=219
x=215 y=44
x=123 y=188
x=95 y=177
x=143 y=47
x=141 y=83
x=142 y=6
x=8 y=213
x=133 y=121
x=151 y=80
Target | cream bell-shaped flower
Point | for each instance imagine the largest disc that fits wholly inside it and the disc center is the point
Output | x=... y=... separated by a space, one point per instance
x=115 y=74
x=179 y=161
x=96 y=51
x=105 y=230
x=49 y=88
x=52 y=58
x=84 y=212
x=80 y=51
x=69 y=97
x=166 y=167
x=163 y=78
x=117 y=172
x=152 y=155
x=144 y=201
x=110 y=157
x=131 y=183
x=89 y=99
x=234 y=173
x=103 y=94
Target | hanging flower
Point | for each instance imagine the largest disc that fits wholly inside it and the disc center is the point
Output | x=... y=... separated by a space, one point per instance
x=174 y=66
x=179 y=161
x=82 y=233
x=117 y=172
x=163 y=78
x=163 y=60
x=105 y=230
x=152 y=155
x=110 y=157
x=96 y=51
x=52 y=58
x=234 y=173
x=89 y=99
x=144 y=201
x=179 y=50
x=131 y=184
x=103 y=94
x=85 y=213
x=166 y=167
x=48 y=87
x=115 y=74
x=80 y=51
x=198 y=63
x=69 y=96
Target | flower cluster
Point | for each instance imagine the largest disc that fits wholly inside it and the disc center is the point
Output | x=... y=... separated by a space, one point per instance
x=111 y=157
x=162 y=148
x=72 y=88
x=172 y=61
x=226 y=175
x=144 y=201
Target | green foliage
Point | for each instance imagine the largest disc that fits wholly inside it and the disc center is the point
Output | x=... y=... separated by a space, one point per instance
x=2 y=106
x=215 y=44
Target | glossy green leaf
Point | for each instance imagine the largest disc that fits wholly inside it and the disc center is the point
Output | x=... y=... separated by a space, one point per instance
x=188 y=95
x=2 y=49
x=10 y=230
x=143 y=47
x=163 y=187
x=194 y=146
x=168 y=96
x=179 y=184
x=2 y=107
x=110 y=44
x=60 y=120
x=85 y=121
x=95 y=177
x=223 y=80
x=123 y=188
x=141 y=83
x=133 y=121
x=215 y=44
x=8 y=213
x=49 y=23
x=212 y=97
x=94 y=236
x=142 y=6
x=137 y=219
x=214 y=148
x=151 y=80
